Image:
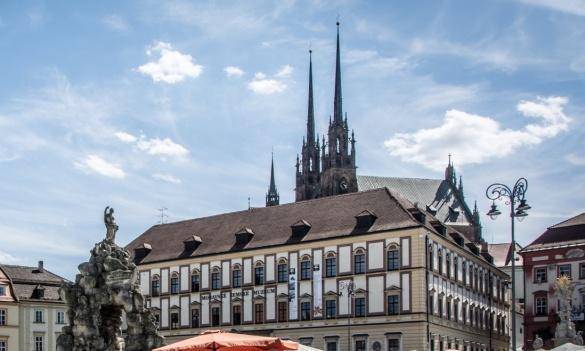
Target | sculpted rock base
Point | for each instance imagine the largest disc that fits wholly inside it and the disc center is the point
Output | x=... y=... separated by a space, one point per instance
x=104 y=294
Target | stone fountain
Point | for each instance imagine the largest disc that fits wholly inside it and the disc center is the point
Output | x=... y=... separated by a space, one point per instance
x=105 y=294
x=565 y=331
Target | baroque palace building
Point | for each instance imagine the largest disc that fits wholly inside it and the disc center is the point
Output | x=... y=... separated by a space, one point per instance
x=356 y=263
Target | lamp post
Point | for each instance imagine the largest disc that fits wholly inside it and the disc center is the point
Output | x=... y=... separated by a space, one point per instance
x=498 y=191
x=349 y=287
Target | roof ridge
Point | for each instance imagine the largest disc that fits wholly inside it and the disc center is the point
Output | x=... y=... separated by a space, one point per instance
x=296 y=203
x=567 y=220
x=383 y=177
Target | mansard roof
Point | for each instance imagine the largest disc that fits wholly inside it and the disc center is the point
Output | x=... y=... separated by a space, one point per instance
x=568 y=232
x=431 y=194
x=330 y=217
x=25 y=280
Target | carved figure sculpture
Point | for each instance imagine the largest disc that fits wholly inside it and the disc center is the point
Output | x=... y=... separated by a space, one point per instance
x=537 y=343
x=105 y=289
x=565 y=330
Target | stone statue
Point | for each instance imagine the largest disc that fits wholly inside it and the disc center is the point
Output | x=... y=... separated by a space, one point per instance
x=578 y=339
x=537 y=343
x=105 y=290
x=565 y=330
x=110 y=222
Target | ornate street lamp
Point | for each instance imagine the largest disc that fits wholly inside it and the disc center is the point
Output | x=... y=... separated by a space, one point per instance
x=512 y=196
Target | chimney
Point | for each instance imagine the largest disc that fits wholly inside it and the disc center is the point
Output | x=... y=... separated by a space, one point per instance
x=40 y=267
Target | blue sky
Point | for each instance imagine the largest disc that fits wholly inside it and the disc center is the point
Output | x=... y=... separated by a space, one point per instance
x=147 y=104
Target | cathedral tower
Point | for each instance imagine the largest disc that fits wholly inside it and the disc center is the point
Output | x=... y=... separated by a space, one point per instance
x=272 y=197
x=308 y=167
x=338 y=161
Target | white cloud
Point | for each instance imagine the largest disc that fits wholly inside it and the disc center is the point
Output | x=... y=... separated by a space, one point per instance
x=576 y=160
x=374 y=62
x=7 y=258
x=96 y=164
x=167 y=178
x=161 y=147
x=263 y=85
x=115 y=22
x=126 y=137
x=233 y=71
x=574 y=7
x=171 y=66
x=477 y=139
x=284 y=72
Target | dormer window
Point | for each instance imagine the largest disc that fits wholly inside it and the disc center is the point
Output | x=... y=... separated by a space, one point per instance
x=365 y=219
x=142 y=251
x=244 y=236
x=192 y=242
x=38 y=292
x=300 y=228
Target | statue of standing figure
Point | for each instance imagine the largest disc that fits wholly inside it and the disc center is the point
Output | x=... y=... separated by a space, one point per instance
x=110 y=223
x=565 y=330
x=537 y=344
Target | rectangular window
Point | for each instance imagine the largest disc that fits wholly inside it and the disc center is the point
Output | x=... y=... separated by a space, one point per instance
x=331 y=268
x=259 y=275
x=359 y=264
x=394 y=305
x=215 y=316
x=195 y=318
x=565 y=269
x=305 y=311
x=582 y=271
x=393 y=344
x=440 y=305
x=392 y=260
x=431 y=260
x=174 y=285
x=282 y=273
x=431 y=305
x=448 y=310
x=456 y=311
x=195 y=283
x=464 y=314
x=215 y=281
x=360 y=306
x=174 y=320
x=39 y=316
x=455 y=269
x=306 y=271
x=2 y=290
x=540 y=275
x=155 y=287
x=39 y=343
x=540 y=306
x=3 y=345
x=330 y=309
x=440 y=262
x=60 y=317
x=360 y=345
x=237 y=315
x=283 y=311
x=464 y=272
x=331 y=346
x=259 y=313
x=448 y=263
x=2 y=317
x=237 y=278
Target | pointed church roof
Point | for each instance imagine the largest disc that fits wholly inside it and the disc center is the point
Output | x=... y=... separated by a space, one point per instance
x=272 y=197
x=337 y=104
x=311 y=110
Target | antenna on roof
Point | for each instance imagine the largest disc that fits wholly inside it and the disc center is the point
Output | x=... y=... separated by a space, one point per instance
x=162 y=216
x=249 y=208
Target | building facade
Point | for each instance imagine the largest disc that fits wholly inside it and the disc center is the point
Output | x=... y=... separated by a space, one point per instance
x=369 y=269
x=31 y=312
x=560 y=250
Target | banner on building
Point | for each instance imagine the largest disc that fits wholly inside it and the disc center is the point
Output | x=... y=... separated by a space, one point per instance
x=318 y=291
x=292 y=294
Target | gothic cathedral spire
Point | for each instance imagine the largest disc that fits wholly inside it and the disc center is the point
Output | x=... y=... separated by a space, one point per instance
x=272 y=197
x=337 y=102
x=308 y=174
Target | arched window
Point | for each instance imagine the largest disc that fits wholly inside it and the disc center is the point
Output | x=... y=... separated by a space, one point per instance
x=306 y=267
x=310 y=164
x=282 y=271
x=174 y=283
x=195 y=281
x=215 y=278
x=338 y=145
x=237 y=276
x=330 y=265
x=392 y=257
x=259 y=273
x=359 y=261
x=155 y=285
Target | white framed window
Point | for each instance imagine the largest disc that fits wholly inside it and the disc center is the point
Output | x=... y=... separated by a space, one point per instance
x=3 y=345
x=39 y=343
x=2 y=317
x=2 y=290
x=60 y=317
x=39 y=316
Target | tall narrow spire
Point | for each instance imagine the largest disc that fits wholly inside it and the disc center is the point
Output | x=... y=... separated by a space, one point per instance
x=311 y=110
x=272 y=197
x=337 y=106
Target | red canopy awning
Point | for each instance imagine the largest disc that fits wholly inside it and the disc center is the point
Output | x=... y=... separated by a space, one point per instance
x=212 y=340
